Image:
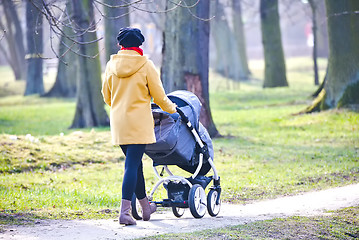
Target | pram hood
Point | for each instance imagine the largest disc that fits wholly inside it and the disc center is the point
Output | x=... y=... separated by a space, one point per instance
x=182 y=98
x=175 y=144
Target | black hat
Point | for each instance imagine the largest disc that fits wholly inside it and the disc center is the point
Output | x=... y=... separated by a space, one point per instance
x=130 y=37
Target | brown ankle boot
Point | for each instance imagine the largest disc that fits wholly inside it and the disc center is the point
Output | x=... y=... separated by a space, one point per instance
x=147 y=208
x=125 y=216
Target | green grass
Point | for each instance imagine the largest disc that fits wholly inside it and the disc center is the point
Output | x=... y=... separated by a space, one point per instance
x=273 y=152
x=266 y=150
x=341 y=224
x=10 y=87
x=34 y=115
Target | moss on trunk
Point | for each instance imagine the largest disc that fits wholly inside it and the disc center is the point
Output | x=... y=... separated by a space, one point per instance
x=341 y=85
x=317 y=103
x=343 y=62
x=350 y=95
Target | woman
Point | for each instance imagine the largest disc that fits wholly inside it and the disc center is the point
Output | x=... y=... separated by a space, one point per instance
x=130 y=81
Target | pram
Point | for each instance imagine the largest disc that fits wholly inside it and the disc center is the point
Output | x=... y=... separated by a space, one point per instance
x=183 y=141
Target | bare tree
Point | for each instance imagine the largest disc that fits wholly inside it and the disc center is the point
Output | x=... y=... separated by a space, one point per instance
x=15 y=50
x=186 y=50
x=322 y=29
x=84 y=43
x=313 y=7
x=342 y=81
x=275 y=70
x=239 y=33
x=115 y=18
x=227 y=58
x=90 y=110
x=34 y=36
x=67 y=72
x=231 y=60
x=67 y=69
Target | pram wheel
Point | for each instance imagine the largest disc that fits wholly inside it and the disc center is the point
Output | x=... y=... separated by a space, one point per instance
x=134 y=206
x=197 y=201
x=178 y=212
x=212 y=206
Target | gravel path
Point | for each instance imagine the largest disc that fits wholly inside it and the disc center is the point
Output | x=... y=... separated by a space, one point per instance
x=308 y=204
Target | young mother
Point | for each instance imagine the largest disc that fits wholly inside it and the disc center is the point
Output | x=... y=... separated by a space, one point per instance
x=130 y=82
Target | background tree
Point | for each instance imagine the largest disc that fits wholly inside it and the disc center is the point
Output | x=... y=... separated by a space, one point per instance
x=226 y=56
x=34 y=37
x=342 y=85
x=322 y=29
x=172 y=59
x=185 y=54
x=239 y=35
x=231 y=59
x=15 y=50
x=116 y=17
x=67 y=69
x=320 y=39
x=90 y=110
x=319 y=33
x=314 y=6
x=275 y=70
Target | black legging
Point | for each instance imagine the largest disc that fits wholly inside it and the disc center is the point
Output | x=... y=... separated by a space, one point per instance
x=133 y=180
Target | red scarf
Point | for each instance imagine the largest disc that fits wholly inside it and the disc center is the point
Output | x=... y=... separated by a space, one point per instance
x=137 y=49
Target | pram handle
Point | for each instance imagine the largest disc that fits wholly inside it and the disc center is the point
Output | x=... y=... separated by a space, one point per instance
x=181 y=113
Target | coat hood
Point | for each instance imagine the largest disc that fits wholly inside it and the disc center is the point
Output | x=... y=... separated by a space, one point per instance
x=126 y=63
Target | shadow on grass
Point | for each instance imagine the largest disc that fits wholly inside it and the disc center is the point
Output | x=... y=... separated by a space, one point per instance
x=15 y=217
x=7 y=123
x=12 y=217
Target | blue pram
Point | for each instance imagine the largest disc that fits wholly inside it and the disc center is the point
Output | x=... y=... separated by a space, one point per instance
x=183 y=141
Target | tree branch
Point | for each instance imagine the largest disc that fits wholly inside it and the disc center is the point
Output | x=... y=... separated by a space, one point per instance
x=110 y=18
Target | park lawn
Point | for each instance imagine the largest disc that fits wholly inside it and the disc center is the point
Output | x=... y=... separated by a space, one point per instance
x=10 y=87
x=266 y=151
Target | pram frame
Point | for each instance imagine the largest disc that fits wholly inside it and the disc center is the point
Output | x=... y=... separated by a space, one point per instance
x=165 y=180
x=171 y=176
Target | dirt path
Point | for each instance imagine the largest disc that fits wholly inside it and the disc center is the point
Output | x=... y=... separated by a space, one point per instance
x=308 y=204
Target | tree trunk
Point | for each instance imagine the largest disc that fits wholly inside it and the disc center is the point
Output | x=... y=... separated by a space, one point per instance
x=275 y=70
x=113 y=25
x=15 y=40
x=8 y=53
x=90 y=110
x=228 y=60
x=67 y=69
x=342 y=86
x=34 y=35
x=321 y=86
x=239 y=34
x=322 y=30
x=313 y=6
x=172 y=74
x=186 y=50
x=67 y=73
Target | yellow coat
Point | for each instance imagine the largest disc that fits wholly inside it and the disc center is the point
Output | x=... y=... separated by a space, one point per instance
x=130 y=82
